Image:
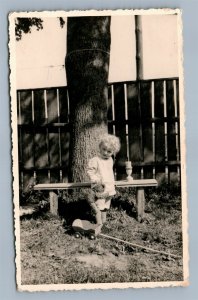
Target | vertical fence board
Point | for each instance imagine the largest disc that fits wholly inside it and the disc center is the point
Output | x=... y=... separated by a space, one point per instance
x=148 y=172
x=177 y=95
x=26 y=178
x=121 y=157
x=25 y=106
x=120 y=128
x=134 y=143
x=171 y=112
x=173 y=174
x=111 y=110
x=172 y=152
x=42 y=176
x=109 y=103
x=146 y=115
x=41 y=151
x=147 y=138
x=160 y=142
x=153 y=125
x=133 y=106
x=170 y=99
x=65 y=138
x=64 y=105
x=146 y=106
x=113 y=107
x=159 y=99
x=28 y=148
x=177 y=125
x=134 y=122
x=65 y=175
x=39 y=107
x=55 y=176
x=119 y=102
x=54 y=155
x=166 y=131
x=52 y=107
x=159 y=127
x=136 y=172
x=126 y=122
x=160 y=174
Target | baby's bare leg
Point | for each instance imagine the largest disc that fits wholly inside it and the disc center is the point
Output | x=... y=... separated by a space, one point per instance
x=103 y=216
x=97 y=213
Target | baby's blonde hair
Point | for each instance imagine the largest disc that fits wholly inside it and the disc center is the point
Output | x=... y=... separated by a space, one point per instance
x=112 y=141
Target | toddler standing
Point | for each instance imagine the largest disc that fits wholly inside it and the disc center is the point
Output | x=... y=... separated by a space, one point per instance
x=100 y=172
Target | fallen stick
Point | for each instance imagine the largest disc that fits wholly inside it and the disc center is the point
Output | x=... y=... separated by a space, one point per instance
x=138 y=246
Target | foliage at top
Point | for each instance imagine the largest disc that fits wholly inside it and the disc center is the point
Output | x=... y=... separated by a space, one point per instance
x=24 y=25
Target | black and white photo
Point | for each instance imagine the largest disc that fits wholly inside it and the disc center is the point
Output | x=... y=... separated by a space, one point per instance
x=98 y=149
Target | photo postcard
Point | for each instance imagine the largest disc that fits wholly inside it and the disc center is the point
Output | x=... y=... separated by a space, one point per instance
x=98 y=149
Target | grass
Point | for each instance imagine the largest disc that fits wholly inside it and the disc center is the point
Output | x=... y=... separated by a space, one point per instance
x=50 y=254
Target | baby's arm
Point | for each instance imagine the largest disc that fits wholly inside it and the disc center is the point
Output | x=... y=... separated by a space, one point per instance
x=92 y=170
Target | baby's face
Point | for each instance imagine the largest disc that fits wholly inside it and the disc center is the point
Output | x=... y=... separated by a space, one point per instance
x=105 y=151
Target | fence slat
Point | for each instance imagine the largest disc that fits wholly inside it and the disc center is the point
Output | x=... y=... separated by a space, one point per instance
x=41 y=150
x=54 y=147
x=113 y=107
x=146 y=113
x=52 y=106
x=27 y=148
x=64 y=106
x=39 y=107
x=134 y=123
x=126 y=119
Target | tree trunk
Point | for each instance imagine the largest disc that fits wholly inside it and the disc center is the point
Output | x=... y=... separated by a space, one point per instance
x=87 y=66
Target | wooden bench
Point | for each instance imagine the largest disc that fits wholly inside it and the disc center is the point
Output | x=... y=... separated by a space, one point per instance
x=139 y=184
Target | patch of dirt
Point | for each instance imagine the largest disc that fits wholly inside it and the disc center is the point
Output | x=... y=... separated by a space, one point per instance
x=104 y=261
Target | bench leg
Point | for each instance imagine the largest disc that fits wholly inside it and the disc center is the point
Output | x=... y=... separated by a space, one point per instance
x=53 y=203
x=140 y=204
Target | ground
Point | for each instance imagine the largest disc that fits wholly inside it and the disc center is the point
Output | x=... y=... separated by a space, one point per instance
x=50 y=254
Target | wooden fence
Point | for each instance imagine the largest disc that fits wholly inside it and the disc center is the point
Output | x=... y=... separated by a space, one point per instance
x=144 y=114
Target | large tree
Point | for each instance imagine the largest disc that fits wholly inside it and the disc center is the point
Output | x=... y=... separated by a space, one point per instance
x=87 y=66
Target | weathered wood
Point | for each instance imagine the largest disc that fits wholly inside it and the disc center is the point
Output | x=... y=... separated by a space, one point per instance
x=53 y=203
x=140 y=204
x=120 y=183
x=139 y=184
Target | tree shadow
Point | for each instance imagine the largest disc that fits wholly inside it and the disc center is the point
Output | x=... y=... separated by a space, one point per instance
x=125 y=203
x=75 y=210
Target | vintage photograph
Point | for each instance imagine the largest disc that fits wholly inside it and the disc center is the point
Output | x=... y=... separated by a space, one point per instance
x=98 y=149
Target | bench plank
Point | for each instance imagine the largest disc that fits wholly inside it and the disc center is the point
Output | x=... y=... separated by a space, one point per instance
x=71 y=185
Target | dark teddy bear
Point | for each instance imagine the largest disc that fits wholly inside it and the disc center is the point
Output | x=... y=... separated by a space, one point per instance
x=97 y=192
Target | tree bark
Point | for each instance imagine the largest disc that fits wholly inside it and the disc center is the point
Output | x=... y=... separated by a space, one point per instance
x=87 y=66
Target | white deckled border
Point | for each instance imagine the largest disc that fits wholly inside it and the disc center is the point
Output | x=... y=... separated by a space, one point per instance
x=12 y=62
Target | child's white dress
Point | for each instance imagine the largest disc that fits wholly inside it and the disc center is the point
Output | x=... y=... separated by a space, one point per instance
x=100 y=169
